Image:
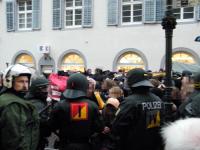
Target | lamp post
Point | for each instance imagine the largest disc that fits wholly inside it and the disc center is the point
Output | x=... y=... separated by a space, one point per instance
x=168 y=23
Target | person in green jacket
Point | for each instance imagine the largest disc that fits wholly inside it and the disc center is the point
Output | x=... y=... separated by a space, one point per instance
x=19 y=120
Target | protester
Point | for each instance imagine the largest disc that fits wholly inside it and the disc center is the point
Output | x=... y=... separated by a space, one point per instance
x=191 y=107
x=107 y=141
x=116 y=92
x=186 y=85
x=93 y=94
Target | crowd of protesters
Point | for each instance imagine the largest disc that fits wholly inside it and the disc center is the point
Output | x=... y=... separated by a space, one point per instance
x=103 y=110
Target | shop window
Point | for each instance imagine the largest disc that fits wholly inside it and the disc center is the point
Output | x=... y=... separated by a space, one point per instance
x=25 y=59
x=183 y=57
x=130 y=60
x=72 y=62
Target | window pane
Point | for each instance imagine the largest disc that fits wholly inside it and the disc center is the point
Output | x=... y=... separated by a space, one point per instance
x=21 y=26
x=126 y=13
x=137 y=19
x=188 y=9
x=69 y=3
x=68 y=23
x=126 y=0
x=21 y=3
x=69 y=15
x=29 y=2
x=29 y=15
x=21 y=15
x=188 y=15
x=126 y=19
x=137 y=6
x=177 y=13
x=78 y=2
x=78 y=11
x=78 y=22
x=21 y=21
x=137 y=13
x=29 y=5
x=126 y=7
x=29 y=20
x=178 y=10
x=78 y=17
x=21 y=8
x=29 y=25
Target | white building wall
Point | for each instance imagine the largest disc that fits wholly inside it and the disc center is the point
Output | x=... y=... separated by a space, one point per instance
x=99 y=44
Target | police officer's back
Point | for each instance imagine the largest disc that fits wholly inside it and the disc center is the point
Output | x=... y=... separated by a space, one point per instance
x=76 y=117
x=139 y=117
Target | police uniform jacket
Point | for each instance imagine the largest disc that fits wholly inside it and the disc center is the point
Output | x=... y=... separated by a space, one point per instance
x=76 y=120
x=19 y=123
x=138 y=122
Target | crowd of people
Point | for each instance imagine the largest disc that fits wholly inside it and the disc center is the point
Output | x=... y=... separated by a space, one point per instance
x=101 y=111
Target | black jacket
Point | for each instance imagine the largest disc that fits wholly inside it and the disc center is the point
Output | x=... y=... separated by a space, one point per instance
x=138 y=122
x=76 y=120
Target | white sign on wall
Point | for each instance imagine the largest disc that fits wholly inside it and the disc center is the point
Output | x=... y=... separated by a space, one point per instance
x=44 y=49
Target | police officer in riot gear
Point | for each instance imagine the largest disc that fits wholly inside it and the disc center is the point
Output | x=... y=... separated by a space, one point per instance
x=139 y=116
x=76 y=117
x=19 y=120
x=38 y=92
x=37 y=95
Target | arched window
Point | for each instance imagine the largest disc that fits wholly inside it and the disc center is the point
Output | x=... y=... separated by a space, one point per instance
x=73 y=62
x=25 y=59
x=130 y=60
x=183 y=57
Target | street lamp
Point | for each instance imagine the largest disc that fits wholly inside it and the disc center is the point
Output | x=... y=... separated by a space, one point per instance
x=168 y=23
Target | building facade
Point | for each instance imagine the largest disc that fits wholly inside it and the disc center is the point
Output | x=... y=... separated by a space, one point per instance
x=52 y=35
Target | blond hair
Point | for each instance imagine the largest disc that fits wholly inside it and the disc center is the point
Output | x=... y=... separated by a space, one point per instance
x=115 y=92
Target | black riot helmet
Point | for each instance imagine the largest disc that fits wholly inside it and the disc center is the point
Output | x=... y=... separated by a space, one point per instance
x=77 y=86
x=38 y=88
x=138 y=77
x=39 y=83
